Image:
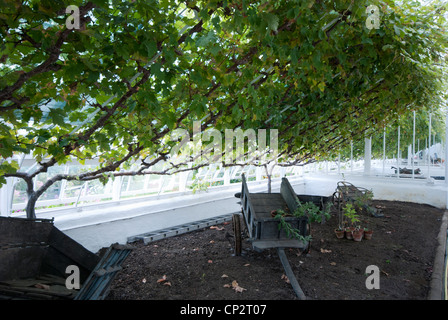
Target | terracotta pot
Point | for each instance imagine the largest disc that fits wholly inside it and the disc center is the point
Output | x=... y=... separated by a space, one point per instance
x=349 y=233
x=339 y=233
x=368 y=234
x=357 y=234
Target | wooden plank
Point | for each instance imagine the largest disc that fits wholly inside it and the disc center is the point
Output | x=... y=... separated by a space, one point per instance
x=18 y=230
x=290 y=274
x=49 y=278
x=42 y=293
x=275 y=243
x=72 y=249
x=263 y=204
x=17 y=263
x=289 y=195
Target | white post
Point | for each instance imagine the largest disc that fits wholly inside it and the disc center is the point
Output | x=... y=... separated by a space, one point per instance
x=429 y=145
x=116 y=189
x=384 y=148
x=413 y=148
x=5 y=198
x=351 y=156
x=258 y=173
x=410 y=154
x=398 y=154
x=446 y=146
x=367 y=155
x=418 y=150
x=183 y=176
x=227 y=176
x=339 y=163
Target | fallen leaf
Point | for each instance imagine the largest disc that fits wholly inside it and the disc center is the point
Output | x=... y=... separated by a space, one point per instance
x=224 y=276
x=333 y=263
x=246 y=265
x=212 y=241
x=210 y=261
x=325 y=250
x=227 y=285
x=284 y=277
x=167 y=283
x=217 y=228
x=162 y=279
x=236 y=286
x=239 y=289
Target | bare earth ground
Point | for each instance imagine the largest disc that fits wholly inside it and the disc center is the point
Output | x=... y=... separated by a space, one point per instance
x=201 y=265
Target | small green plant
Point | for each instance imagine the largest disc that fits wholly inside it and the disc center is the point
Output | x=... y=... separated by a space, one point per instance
x=307 y=209
x=199 y=185
x=291 y=232
x=313 y=212
x=350 y=214
x=362 y=200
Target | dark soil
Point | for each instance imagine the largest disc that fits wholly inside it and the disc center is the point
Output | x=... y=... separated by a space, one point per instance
x=201 y=265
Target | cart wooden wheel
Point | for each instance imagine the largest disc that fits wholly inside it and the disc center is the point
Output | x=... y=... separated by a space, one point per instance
x=237 y=233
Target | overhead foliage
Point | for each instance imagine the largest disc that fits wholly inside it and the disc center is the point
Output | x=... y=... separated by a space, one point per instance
x=117 y=87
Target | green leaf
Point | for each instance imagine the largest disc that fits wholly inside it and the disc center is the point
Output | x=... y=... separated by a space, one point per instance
x=57 y=115
x=272 y=21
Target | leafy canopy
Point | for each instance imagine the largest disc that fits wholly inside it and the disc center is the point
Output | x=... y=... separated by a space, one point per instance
x=136 y=70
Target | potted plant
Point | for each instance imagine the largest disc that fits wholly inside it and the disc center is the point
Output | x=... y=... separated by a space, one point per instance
x=358 y=233
x=368 y=234
x=340 y=232
x=352 y=217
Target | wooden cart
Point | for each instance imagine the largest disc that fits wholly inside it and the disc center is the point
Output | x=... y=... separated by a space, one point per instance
x=34 y=256
x=262 y=229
